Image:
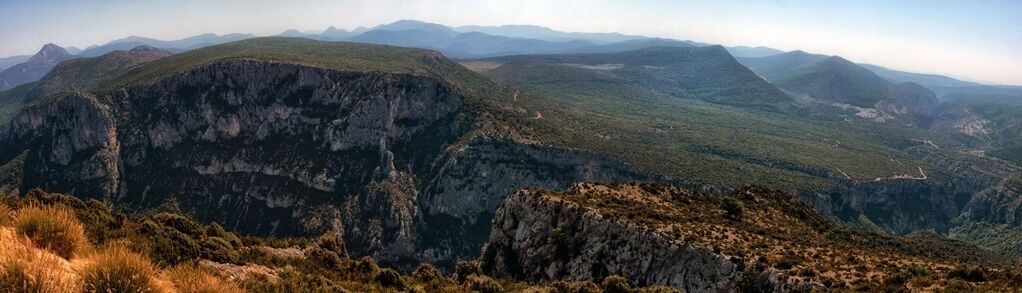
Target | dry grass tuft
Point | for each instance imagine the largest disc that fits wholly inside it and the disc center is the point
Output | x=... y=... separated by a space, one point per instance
x=52 y=228
x=117 y=269
x=5 y=214
x=191 y=279
x=24 y=268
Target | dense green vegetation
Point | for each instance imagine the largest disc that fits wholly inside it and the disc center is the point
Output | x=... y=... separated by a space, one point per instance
x=694 y=140
x=1002 y=121
x=333 y=55
x=11 y=102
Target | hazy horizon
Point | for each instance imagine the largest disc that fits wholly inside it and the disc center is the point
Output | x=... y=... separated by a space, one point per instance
x=971 y=41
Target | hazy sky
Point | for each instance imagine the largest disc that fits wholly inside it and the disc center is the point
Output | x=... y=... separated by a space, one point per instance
x=974 y=40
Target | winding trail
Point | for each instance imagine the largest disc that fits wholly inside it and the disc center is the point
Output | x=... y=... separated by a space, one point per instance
x=905 y=176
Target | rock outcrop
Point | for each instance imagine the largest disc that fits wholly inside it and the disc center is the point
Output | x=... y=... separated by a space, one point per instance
x=543 y=238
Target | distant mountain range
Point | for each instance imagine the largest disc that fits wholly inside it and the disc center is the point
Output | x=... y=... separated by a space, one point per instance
x=175 y=46
x=547 y=34
x=492 y=41
x=7 y=62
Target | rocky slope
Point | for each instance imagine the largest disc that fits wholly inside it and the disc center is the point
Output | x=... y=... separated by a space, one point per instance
x=271 y=145
x=33 y=69
x=842 y=83
x=538 y=237
x=754 y=239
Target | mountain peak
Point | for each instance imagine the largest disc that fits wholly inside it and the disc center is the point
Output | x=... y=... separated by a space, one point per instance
x=407 y=24
x=50 y=52
x=839 y=60
x=145 y=48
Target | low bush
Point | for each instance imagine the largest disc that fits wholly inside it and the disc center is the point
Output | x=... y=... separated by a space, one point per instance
x=616 y=284
x=732 y=209
x=968 y=273
x=333 y=242
x=389 y=278
x=463 y=269
x=5 y=214
x=116 y=269
x=576 y=287
x=483 y=284
x=166 y=245
x=189 y=279
x=219 y=250
x=53 y=228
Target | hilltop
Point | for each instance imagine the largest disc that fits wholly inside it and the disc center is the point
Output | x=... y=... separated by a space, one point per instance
x=85 y=73
x=708 y=73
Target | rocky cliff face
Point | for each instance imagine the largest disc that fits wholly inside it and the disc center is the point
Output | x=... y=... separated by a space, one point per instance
x=751 y=240
x=1001 y=204
x=284 y=149
x=543 y=238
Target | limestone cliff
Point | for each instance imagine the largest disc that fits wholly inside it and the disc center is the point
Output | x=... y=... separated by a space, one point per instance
x=752 y=240
x=538 y=237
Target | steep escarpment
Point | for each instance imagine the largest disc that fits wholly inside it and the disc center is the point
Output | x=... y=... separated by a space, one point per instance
x=270 y=145
x=753 y=239
x=538 y=237
x=66 y=144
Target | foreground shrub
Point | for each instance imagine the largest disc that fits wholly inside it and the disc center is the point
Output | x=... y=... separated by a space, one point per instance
x=5 y=214
x=166 y=244
x=616 y=284
x=364 y=269
x=732 y=209
x=463 y=269
x=427 y=273
x=117 y=269
x=390 y=278
x=53 y=228
x=292 y=280
x=189 y=279
x=215 y=230
x=576 y=287
x=333 y=242
x=429 y=279
x=219 y=250
x=483 y=284
x=969 y=273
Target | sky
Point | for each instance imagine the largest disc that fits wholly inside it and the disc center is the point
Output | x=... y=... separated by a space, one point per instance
x=971 y=40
